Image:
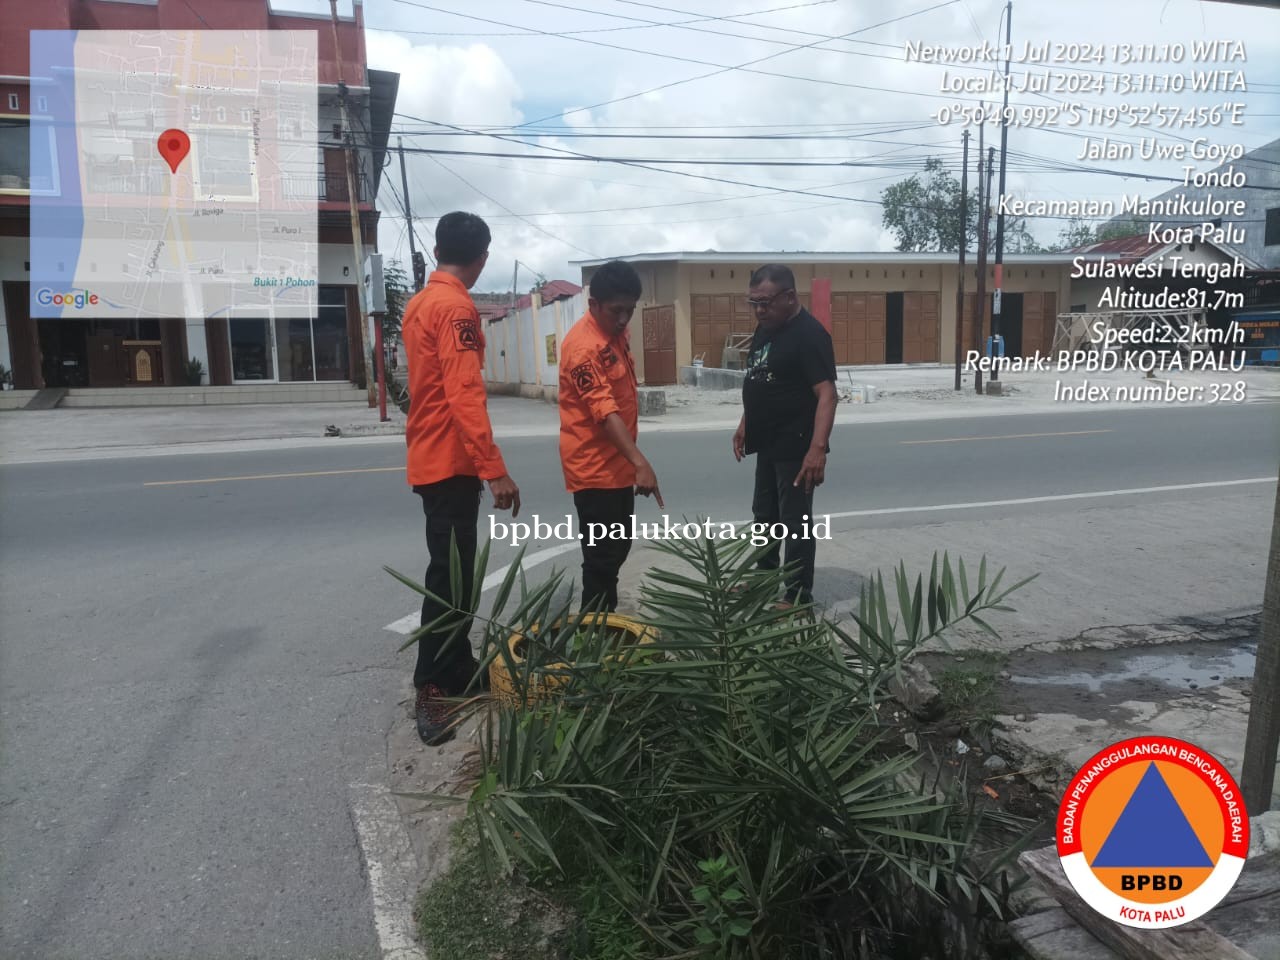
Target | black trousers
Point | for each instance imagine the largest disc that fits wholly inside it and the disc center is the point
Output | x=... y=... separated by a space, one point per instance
x=778 y=501
x=452 y=508
x=602 y=560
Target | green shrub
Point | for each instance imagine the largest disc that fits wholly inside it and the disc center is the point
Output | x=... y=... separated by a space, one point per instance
x=735 y=797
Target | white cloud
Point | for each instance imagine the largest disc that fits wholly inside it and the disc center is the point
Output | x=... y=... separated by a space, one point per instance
x=503 y=80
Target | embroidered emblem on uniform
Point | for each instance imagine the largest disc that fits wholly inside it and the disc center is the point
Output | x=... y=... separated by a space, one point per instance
x=584 y=377
x=607 y=357
x=467 y=334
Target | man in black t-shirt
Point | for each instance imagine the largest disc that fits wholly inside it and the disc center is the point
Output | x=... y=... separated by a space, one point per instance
x=789 y=406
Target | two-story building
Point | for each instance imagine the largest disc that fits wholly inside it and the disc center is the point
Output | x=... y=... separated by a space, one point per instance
x=155 y=350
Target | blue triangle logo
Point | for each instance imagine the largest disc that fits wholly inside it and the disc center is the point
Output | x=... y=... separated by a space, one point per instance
x=1152 y=831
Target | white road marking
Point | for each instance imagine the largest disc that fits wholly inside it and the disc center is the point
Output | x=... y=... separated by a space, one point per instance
x=1008 y=436
x=977 y=505
x=393 y=870
x=410 y=622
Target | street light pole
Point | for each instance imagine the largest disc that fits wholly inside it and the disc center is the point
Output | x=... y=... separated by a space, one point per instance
x=979 y=314
x=1004 y=150
x=357 y=246
x=964 y=245
x=418 y=278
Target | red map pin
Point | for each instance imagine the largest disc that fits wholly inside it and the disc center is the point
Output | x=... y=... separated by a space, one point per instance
x=174 y=145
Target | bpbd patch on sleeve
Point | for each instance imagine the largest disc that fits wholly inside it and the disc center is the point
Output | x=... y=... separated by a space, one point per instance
x=584 y=377
x=466 y=334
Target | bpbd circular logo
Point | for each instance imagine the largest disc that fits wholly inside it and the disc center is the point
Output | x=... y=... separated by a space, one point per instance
x=1152 y=832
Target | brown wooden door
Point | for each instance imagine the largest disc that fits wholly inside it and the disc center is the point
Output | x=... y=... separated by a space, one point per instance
x=218 y=343
x=659 y=329
x=865 y=325
x=712 y=317
x=1039 y=319
x=335 y=174
x=24 y=341
x=840 y=327
x=145 y=363
x=106 y=360
x=920 y=327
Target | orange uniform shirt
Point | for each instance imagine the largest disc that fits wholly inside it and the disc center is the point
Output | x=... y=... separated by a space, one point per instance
x=597 y=378
x=447 y=430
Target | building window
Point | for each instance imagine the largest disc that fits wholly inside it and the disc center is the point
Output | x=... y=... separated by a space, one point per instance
x=42 y=104
x=13 y=101
x=224 y=165
x=1272 y=237
x=315 y=349
x=15 y=137
x=331 y=334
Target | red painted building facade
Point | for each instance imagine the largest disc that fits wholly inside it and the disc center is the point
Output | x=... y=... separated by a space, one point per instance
x=96 y=353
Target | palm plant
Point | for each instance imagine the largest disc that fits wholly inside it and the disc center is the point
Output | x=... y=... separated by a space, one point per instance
x=735 y=791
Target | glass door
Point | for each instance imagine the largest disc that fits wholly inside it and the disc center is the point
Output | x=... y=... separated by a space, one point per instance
x=253 y=350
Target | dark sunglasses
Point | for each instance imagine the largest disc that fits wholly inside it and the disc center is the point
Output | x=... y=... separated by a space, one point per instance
x=768 y=302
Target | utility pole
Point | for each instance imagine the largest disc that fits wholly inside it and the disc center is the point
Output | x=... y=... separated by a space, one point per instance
x=357 y=246
x=964 y=243
x=1004 y=150
x=979 y=321
x=419 y=268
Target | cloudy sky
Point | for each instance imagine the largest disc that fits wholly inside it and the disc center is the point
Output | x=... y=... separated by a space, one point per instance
x=700 y=80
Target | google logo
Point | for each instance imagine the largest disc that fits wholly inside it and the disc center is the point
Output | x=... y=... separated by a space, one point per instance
x=75 y=298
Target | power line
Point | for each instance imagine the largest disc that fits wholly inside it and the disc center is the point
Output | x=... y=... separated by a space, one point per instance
x=498 y=203
x=737 y=138
x=643 y=165
x=529 y=32
x=746 y=67
x=720 y=68
x=686 y=25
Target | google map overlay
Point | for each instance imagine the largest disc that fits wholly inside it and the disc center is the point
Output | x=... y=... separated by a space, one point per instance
x=176 y=173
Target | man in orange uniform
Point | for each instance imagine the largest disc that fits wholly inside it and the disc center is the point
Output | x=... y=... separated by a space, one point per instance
x=451 y=451
x=599 y=408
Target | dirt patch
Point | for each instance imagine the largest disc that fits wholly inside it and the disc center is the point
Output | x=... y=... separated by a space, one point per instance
x=414 y=768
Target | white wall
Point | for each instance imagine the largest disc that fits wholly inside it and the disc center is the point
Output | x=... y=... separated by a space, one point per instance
x=523 y=338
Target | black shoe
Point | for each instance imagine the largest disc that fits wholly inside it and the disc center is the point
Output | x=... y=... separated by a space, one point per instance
x=435 y=725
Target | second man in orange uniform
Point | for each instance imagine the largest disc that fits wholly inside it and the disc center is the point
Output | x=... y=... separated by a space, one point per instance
x=599 y=410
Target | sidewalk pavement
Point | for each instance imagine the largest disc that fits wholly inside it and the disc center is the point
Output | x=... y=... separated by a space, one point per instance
x=916 y=392
x=1179 y=581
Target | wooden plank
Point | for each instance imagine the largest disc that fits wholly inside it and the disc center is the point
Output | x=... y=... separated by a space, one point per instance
x=1247 y=915
x=1054 y=935
x=1191 y=941
x=1262 y=735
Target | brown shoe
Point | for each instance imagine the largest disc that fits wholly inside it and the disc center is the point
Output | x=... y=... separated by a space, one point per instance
x=433 y=716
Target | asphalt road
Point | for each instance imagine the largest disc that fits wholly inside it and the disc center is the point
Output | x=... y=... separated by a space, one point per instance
x=193 y=670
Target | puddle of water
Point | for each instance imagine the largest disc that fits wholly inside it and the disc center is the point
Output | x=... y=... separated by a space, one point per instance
x=1171 y=669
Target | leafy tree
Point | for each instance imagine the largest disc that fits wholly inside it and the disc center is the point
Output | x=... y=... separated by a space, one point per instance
x=398 y=291
x=925 y=215
x=1017 y=238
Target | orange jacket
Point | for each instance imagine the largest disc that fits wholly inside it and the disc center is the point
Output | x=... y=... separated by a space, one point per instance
x=597 y=378
x=447 y=431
